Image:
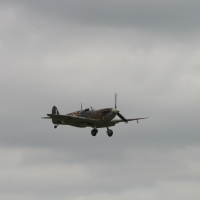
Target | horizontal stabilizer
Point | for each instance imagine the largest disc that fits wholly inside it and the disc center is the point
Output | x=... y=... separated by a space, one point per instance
x=74 y=118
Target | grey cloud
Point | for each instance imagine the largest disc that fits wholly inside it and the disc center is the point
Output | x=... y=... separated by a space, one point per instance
x=63 y=178
x=165 y=16
x=58 y=53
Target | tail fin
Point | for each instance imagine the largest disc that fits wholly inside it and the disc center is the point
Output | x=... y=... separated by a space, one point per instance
x=55 y=112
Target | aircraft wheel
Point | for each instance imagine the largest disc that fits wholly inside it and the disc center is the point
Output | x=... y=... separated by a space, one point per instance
x=110 y=133
x=55 y=126
x=94 y=132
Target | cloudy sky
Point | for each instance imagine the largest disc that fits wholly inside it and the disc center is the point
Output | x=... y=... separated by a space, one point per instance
x=66 y=52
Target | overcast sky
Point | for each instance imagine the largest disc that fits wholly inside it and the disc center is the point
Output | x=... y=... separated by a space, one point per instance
x=66 y=52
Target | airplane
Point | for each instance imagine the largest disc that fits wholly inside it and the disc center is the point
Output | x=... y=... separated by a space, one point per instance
x=89 y=117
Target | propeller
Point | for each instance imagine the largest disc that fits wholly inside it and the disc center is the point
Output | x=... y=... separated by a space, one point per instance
x=118 y=114
x=115 y=100
x=122 y=117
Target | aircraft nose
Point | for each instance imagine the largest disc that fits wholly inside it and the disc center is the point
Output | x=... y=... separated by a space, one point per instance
x=115 y=111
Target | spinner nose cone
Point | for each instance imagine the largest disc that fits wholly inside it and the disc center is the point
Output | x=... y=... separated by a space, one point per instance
x=115 y=111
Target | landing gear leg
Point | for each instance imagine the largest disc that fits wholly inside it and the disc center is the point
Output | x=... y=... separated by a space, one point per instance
x=94 y=132
x=109 y=132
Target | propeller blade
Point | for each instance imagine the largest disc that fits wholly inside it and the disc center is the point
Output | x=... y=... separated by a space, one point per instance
x=115 y=100
x=122 y=117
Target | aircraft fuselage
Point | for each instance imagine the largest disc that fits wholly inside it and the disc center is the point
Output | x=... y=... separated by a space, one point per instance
x=106 y=114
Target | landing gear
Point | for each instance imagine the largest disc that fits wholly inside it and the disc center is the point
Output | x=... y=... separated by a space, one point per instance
x=109 y=132
x=94 y=132
x=56 y=126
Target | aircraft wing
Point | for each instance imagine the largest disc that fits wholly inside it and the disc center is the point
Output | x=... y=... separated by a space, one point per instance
x=76 y=119
x=102 y=124
x=119 y=120
x=113 y=122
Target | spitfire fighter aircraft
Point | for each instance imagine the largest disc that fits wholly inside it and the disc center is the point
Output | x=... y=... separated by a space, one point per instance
x=89 y=117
